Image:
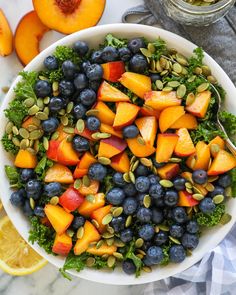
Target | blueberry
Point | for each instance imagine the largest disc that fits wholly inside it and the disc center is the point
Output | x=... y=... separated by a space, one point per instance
x=224 y=180
x=109 y=54
x=179 y=183
x=78 y=221
x=85 y=65
x=155 y=77
x=177 y=253
x=97 y=172
x=33 y=188
x=124 y=53
x=94 y=72
x=176 y=231
x=66 y=88
x=50 y=125
x=156 y=191
x=42 y=88
x=96 y=57
x=142 y=184
x=147 y=245
x=87 y=97
x=79 y=111
x=56 y=104
x=138 y=64
x=93 y=123
x=140 y=198
x=115 y=196
x=80 y=144
x=130 y=131
x=157 y=216
x=192 y=227
x=160 y=238
x=179 y=215
x=207 y=206
x=53 y=189
x=155 y=255
x=199 y=176
x=26 y=174
x=39 y=211
x=146 y=232
x=118 y=223
x=171 y=198
x=118 y=179
x=18 y=198
x=167 y=212
x=68 y=69
x=135 y=44
x=189 y=241
x=154 y=179
x=80 y=82
x=130 y=206
x=159 y=202
x=27 y=210
x=130 y=190
x=126 y=235
x=94 y=85
x=128 y=267
x=81 y=48
x=218 y=190
x=51 y=63
x=141 y=170
x=144 y=215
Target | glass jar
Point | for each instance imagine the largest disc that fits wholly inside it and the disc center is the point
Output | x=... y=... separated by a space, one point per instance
x=187 y=14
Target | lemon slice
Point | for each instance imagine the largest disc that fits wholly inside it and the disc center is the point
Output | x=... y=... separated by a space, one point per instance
x=16 y=256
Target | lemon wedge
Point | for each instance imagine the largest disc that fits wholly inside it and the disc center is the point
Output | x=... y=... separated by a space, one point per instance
x=16 y=256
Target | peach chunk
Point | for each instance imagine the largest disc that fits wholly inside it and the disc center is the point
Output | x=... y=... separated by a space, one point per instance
x=112 y=71
x=184 y=146
x=6 y=37
x=201 y=159
x=111 y=146
x=148 y=111
x=139 y=148
x=105 y=114
x=120 y=162
x=28 y=34
x=159 y=100
x=59 y=173
x=82 y=167
x=125 y=115
x=187 y=121
x=62 y=244
x=108 y=93
x=169 y=116
x=137 y=83
x=109 y=129
x=223 y=162
x=69 y=16
x=89 y=190
x=148 y=128
x=103 y=250
x=66 y=154
x=71 y=199
x=25 y=159
x=186 y=200
x=165 y=146
x=99 y=214
x=168 y=171
x=219 y=144
x=200 y=105
x=87 y=207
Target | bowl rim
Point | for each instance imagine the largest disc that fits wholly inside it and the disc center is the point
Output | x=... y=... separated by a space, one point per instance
x=21 y=225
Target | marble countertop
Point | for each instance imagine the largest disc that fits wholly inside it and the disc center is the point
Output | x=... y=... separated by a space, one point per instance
x=48 y=280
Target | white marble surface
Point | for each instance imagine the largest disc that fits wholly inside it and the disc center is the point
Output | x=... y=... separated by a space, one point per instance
x=48 y=280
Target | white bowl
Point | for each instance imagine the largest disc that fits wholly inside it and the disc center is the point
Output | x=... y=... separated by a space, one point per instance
x=94 y=36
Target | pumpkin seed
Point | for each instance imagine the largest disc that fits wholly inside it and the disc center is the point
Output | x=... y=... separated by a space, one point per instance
x=15 y=130
x=70 y=232
x=104 y=160
x=139 y=243
x=118 y=255
x=202 y=87
x=157 y=229
x=167 y=89
x=54 y=200
x=195 y=208
x=173 y=84
x=135 y=166
x=151 y=47
x=154 y=170
x=212 y=178
x=211 y=79
x=10 y=136
x=146 y=52
x=55 y=86
x=147 y=201
x=80 y=233
x=36 y=145
x=86 y=181
x=35 y=134
x=117 y=211
x=228 y=192
x=215 y=148
x=153 y=66
x=32 y=203
x=99 y=244
x=158 y=67
x=16 y=141
x=40 y=103
x=140 y=251
x=69 y=130
x=92 y=112
x=197 y=190
x=62 y=112
x=163 y=73
x=166 y=183
x=98 y=135
x=163 y=227
x=132 y=177
x=107 y=219
x=210 y=187
x=175 y=74
x=64 y=120
x=188 y=252
x=198 y=197
x=146 y=162
x=189 y=210
x=29 y=102
x=163 y=62
x=111 y=261
x=126 y=177
x=55 y=135
x=46 y=100
x=32 y=142
x=175 y=160
x=190 y=98
x=80 y=125
x=107 y=235
x=189 y=190
x=119 y=243
x=90 y=261
x=110 y=229
x=36 y=121
x=140 y=256
x=24 y=144
x=24 y=133
x=128 y=221
x=198 y=71
x=69 y=107
x=33 y=110
x=9 y=127
x=218 y=199
x=177 y=68
x=181 y=91
x=225 y=218
x=188 y=185
x=141 y=141
x=182 y=61
x=191 y=79
x=110 y=241
x=147 y=269
x=41 y=116
x=132 y=160
x=45 y=143
x=105 y=256
x=32 y=128
x=174 y=240
x=206 y=70
x=90 y=198
x=43 y=78
x=159 y=84
x=77 y=183
x=95 y=223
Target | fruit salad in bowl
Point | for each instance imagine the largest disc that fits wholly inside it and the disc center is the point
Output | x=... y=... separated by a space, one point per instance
x=116 y=157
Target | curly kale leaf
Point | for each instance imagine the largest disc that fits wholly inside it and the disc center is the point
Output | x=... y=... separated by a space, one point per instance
x=9 y=145
x=229 y=122
x=233 y=182
x=196 y=60
x=160 y=48
x=63 y=53
x=166 y=258
x=212 y=219
x=13 y=176
x=42 y=166
x=16 y=112
x=136 y=260
x=25 y=88
x=110 y=40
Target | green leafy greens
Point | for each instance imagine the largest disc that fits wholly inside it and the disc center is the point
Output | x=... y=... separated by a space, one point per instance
x=63 y=53
x=9 y=145
x=136 y=260
x=13 y=176
x=110 y=40
x=213 y=219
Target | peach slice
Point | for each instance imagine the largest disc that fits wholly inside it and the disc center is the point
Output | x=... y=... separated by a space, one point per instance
x=139 y=148
x=99 y=214
x=112 y=71
x=200 y=105
x=92 y=189
x=184 y=146
x=137 y=83
x=82 y=167
x=148 y=128
x=24 y=159
x=165 y=146
x=111 y=146
x=62 y=244
x=187 y=121
x=66 y=154
x=219 y=144
x=109 y=129
x=201 y=159
x=71 y=199
x=168 y=171
x=87 y=208
x=125 y=115
x=120 y=162
x=105 y=114
x=148 y=111
x=69 y=16
x=108 y=93
x=186 y=200
x=103 y=250
x=223 y=162
x=59 y=173
x=159 y=100
x=28 y=34
x=6 y=37
x=169 y=116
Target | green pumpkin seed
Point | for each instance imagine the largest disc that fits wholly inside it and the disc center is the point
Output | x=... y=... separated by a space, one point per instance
x=45 y=143
x=189 y=190
x=92 y=112
x=132 y=177
x=128 y=221
x=54 y=200
x=80 y=125
x=46 y=100
x=212 y=178
x=104 y=160
x=139 y=243
x=10 y=136
x=175 y=74
x=173 y=84
x=36 y=121
x=33 y=110
x=218 y=199
x=90 y=198
x=196 y=190
x=98 y=135
x=9 y=127
x=118 y=243
x=107 y=219
x=29 y=102
x=204 y=86
x=110 y=229
x=154 y=170
x=135 y=166
x=140 y=256
x=211 y=79
x=188 y=185
x=151 y=47
x=147 y=269
x=40 y=103
x=35 y=134
x=166 y=183
x=90 y=261
x=70 y=232
x=175 y=160
x=146 y=162
x=55 y=86
x=159 y=84
x=99 y=244
x=55 y=135
x=163 y=227
x=191 y=79
x=198 y=197
x=167 y=89
x=95 y=223
x=225 y=218
x=210 y=187
x=80 y=233
x=146 y=52
x=140 y=251
x=64 y=120
x=117 y=211
x=118 y=255
x=163 y=73
x=62 y=112
x=16 y=141
x=32 y=128
x=46 y=111
x=110 y=241
x=158 y=67
x=177 y=68
x=181 y=91
x=15 y=130
x=188 y=252
x=126 y=177
x=174 y=240
x=153 y=66
x=132 y=160
x=24 y=133
x=111 y=261
x=69 y=107
x=206 y=70
x=147 y=201
x=24 y=144
x=107 y=235
x=69 y=138
x=198 y=71
x=184 y=71
x=157 y=229
x=190 y=99
x=182 y=61
x=41 y=116
x=228 y=192
x=141 y=141
x=69 y=130
x=36 y=145
x=86 y=181
x=163 y=62
x=105 y=256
